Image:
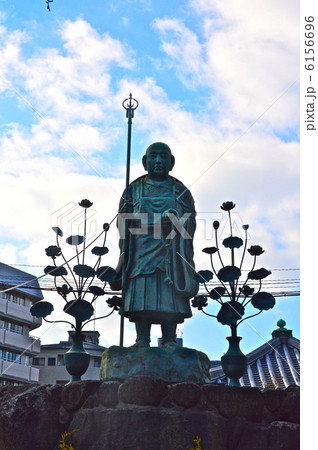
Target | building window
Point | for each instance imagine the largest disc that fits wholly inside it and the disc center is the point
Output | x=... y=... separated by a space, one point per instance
x=51 y=361
x=16 y=328
x=60 y=360
x=38 y=361
x=11 y=326
x=10 y=356
x=97 y=360
x=15 y=298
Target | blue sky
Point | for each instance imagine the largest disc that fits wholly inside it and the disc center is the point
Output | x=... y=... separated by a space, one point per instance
x=217 y=80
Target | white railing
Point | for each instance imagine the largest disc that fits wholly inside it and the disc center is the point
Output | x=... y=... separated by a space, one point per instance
x=18 y=311
x=19 y=341
x=18 y=371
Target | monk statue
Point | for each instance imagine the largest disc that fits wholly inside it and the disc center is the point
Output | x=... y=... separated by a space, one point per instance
x=160 y=268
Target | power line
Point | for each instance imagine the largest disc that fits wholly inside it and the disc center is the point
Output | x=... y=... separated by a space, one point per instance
x=243 y=270
x=290 y=286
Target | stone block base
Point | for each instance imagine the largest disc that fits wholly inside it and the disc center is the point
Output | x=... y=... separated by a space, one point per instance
x=145 y=412
x=173 y=365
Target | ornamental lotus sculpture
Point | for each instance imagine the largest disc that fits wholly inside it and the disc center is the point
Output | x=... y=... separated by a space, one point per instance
x=88 y=284
x=232 y=298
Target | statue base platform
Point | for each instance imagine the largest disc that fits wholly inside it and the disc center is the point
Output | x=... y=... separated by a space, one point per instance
x=178 y=364
x=148 y=413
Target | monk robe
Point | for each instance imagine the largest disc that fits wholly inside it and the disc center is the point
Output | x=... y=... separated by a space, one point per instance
x=160 y=264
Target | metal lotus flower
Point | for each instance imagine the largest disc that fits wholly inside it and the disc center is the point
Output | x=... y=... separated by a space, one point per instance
x=55 y=271
x=263 y=301
x=227 y=278
x=227 y=206
x=84 y=271
x=96 y=290
x=233 y=242
x=58 y=231
x=259 y=274
x=210 y=250
x=229 y=274
x=80 y=309
x=53 y=251
x=83 y=281
x=246 y=290
x=106 y=273
x=75 y=240
x=99 y=251
x=64 y=290
x=230 y=313
x=233 y=295
x=200 y=301
x=217 y=292
x=41 y=309
x=115 y=302
x=255 y=250
x=85 y=203
x=203 y=276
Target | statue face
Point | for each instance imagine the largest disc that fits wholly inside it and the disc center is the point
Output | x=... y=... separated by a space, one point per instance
x=158 y=162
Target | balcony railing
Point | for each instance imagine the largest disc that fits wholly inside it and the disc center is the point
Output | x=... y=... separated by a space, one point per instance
x=19 y=341
x=19 y=372
x=17 y=311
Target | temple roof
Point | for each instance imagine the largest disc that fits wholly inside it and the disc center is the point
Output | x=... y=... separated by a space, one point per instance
x=275 y=364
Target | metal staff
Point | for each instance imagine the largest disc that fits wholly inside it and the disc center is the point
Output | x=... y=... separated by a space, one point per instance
x=129 y=104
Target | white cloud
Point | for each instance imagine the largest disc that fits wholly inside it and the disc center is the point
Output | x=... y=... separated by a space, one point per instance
x=89 y=48
x=184 y=49
x=69 y=83
x=8 y=253
x=85 y=138
x=39 y=162
x=10 y=52
x=245 y=55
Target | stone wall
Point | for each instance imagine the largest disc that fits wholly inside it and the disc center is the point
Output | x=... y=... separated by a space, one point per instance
x=148 y=413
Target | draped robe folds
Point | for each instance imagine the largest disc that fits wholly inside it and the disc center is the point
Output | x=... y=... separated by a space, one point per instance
x=154 y=260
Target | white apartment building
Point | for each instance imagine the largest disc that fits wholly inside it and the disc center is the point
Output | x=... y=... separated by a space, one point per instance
x=17 y=347
x=51 y=360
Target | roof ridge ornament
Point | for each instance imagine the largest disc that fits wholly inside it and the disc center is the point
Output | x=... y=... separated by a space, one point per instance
x=281 y=330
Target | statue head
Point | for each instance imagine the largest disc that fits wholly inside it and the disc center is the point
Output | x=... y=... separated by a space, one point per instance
x=158 y=160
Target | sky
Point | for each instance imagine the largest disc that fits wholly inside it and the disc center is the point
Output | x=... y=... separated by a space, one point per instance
x=218 y=81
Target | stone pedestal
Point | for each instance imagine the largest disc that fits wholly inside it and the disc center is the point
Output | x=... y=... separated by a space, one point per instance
x=146 y=412
x=173 y=365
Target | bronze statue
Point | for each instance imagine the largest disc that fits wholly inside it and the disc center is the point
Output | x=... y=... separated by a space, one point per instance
x=160 y=267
